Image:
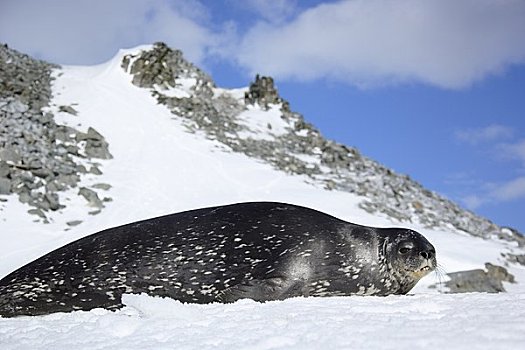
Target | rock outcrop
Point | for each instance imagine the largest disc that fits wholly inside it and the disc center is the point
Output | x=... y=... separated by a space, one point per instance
x=38 y=157
x=262 y=92
x=489 y=281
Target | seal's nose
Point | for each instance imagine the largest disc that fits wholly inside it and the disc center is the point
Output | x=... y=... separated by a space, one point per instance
x=427 y=254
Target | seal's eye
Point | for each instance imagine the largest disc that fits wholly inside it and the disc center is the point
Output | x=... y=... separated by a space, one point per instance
x=404 y=250
x=405 y=247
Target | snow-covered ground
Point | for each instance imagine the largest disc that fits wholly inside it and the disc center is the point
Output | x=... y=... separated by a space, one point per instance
x=467 y=321
x=159 y=168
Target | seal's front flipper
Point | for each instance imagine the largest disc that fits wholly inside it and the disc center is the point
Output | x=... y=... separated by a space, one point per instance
x=276 y=288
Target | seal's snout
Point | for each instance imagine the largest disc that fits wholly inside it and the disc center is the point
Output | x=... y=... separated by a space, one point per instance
x=429 y=259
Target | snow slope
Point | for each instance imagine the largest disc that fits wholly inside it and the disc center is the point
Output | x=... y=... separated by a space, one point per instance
x=159 y=168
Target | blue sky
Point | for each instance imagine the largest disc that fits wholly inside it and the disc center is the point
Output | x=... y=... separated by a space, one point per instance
x=431 y=88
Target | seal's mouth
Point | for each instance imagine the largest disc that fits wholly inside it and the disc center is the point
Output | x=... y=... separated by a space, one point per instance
x=422 y=271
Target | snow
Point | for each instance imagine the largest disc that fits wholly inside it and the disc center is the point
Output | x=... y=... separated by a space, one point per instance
x=157 y=169
x=182 y=89
x=261 y=124
x=237 y=94
x=474 y=321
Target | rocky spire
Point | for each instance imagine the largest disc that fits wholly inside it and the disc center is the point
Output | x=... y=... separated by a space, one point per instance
x=262 y=92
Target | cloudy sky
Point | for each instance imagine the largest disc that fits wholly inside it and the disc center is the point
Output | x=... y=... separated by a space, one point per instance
x=431 y=88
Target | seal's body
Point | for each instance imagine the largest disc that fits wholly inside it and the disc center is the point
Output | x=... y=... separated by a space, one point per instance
x=261 y=250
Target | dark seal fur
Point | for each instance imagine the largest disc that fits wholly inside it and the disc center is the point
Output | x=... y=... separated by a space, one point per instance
x=261 y=250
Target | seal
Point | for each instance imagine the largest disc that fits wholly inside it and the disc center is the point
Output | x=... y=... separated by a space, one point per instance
x=260 y=250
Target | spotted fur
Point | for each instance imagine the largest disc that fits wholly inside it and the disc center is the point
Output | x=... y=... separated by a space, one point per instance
x=260 y=250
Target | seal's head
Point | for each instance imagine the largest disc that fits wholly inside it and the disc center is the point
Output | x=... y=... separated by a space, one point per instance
x=409 y=257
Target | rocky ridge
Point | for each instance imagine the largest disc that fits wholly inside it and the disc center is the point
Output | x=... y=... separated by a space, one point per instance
x=301 y=149
x=38 y=157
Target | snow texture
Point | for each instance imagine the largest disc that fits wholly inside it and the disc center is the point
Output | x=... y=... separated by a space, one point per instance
x=473 y=321
x=157 y=169
x=263 y=125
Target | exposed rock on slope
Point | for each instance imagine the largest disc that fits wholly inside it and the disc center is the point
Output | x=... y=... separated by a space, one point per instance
x=291 y=144
x=262 y=92
x=38 y=157
x=489 y=281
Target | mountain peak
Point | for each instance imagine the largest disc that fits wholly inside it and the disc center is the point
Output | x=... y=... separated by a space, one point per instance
x=161 y=66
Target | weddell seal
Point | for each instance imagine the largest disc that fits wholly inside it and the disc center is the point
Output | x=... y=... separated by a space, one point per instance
x=261 y=250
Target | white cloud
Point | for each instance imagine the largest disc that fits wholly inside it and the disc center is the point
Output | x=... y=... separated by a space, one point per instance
x=490 y=133
x=66 y=31
x=448 y=43
x=273 y=11
x=509 y=191
x=493 y=193
x=513 y=150
x=473 y=202
x=497 y=193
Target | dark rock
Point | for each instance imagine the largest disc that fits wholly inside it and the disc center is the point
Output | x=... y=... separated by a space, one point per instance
x=74 y=223
x=66 y=169
x=52 y=186
x=97 y=149
x=499 y=273
x=25 y=197
x=4 y=169
x=27 y=177
x=73 y=150
x=81 y=169
x=10 y=155
x=53 y=200
x=37 y=212
x=41 y=203
x=66 y=181
x=5 y=186
x=95 y=170
x=65 y=133
x=489 y=281
x=67 y=109
x=15 y=107
x=91 y=134
x=102 y=186
x=91 y=196
x=96 y=145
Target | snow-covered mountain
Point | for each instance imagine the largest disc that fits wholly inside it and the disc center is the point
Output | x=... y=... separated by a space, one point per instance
x=147 y=134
